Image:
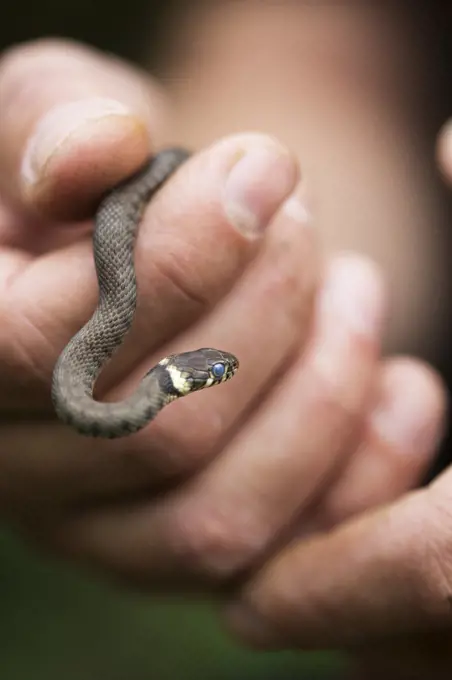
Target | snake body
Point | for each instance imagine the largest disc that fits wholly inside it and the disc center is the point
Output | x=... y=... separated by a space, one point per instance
x=86 y=354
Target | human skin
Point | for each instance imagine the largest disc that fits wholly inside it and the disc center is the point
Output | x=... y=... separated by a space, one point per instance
x=315 y=427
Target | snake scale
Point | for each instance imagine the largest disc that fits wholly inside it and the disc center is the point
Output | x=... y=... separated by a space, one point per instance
x=79 y=365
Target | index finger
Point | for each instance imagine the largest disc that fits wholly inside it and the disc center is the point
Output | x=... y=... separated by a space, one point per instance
x=73 y=122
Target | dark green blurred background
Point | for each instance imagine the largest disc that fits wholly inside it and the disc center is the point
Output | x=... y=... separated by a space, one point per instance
x=55 y=624
x=59 y=625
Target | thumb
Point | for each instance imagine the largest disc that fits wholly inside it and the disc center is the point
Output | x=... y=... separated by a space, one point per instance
x=73 y=122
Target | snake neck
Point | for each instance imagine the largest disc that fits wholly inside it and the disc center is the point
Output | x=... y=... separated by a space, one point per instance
x=75 y=405
x=93 y=346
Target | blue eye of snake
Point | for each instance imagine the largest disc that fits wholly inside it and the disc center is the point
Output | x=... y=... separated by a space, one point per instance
x=218 y=370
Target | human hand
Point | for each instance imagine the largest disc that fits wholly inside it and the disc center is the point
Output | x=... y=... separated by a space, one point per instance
x=379 y=583
x=224 y=258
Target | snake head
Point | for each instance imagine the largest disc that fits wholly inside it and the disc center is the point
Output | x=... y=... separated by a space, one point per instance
x=220 y=366
x=198 y=369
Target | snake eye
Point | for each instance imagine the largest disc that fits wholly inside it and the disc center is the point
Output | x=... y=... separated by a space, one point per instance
x=218 y=370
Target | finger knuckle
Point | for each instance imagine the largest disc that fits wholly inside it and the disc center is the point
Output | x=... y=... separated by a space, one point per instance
x=333 y=400
x=420 y=557
x=214 y=546
x=174 y=273
x=287 y=288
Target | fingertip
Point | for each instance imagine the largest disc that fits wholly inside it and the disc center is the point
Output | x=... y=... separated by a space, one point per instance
x=73 y=122
x=412 y=406
x=444 y=150
x=77 y=151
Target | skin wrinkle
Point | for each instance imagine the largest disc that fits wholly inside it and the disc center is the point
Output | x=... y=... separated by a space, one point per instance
x=437 y=558
x=31 y=343
x=21 y=262
x=23 y=358
x=38 y=366
x=176 y=255
x=24 y=313
x=415 y=559
x=170 y=272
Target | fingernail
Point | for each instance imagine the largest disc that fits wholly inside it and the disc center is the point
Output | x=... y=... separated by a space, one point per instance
x=60 y=124
x=256 y=186
x=352 y=296
x=401 y=417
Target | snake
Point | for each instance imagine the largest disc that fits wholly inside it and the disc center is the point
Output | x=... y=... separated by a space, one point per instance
x=87 y=353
